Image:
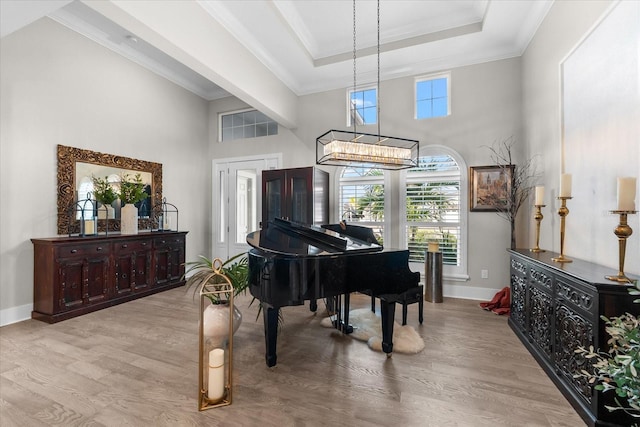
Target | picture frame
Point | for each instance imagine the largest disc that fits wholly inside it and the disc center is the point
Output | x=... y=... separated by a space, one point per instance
x=490 y=187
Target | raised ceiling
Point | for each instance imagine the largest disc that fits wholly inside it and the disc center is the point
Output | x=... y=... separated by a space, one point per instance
x=308 y=45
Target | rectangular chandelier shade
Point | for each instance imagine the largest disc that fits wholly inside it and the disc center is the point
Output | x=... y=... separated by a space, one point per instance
x=348 y=148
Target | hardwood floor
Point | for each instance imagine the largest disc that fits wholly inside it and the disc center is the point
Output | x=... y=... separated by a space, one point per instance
x=136 y=365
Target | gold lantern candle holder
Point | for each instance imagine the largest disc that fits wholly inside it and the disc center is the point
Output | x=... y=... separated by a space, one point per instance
x=538 y=217
x=216 y=349
x=622 y=231
x=563 y=212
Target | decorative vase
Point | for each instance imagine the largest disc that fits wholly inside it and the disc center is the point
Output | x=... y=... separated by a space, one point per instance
x=103 y=213
x=216 y=321
x=129 y=219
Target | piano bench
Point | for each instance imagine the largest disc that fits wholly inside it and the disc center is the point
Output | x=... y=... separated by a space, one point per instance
x=411 y=296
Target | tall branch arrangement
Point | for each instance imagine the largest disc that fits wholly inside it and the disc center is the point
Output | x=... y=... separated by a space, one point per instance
x=523 y=180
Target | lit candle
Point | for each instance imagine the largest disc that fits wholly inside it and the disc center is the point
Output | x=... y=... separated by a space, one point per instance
x=215 y=389
x=626 y=194
x=433 y=247
x=539 y=196
x=565 y=185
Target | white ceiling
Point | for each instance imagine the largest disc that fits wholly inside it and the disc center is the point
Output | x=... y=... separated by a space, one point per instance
x=308 y=45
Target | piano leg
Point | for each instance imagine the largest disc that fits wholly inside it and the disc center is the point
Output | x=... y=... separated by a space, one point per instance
x=388 y=312
x=270 y=316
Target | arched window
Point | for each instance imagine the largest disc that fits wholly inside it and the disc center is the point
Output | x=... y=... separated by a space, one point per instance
x=435 y=208
x=410 y=208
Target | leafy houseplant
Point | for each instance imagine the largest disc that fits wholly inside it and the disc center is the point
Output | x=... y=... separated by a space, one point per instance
x=103 y=191
x=131 y=189
x=619 y=369
x=235 y=268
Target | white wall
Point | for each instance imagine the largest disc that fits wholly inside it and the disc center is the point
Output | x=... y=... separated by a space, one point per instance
x=590 y=226
x=58 y=87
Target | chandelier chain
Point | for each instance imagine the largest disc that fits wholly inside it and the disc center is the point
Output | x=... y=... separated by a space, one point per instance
x=378 y=103
x=352 y=101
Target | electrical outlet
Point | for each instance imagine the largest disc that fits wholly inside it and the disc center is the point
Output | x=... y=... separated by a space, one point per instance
x=484 y=274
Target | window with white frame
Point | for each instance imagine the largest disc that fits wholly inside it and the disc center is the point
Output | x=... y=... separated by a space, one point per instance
x=362 y=106
x=432 y=194
x=362 y=198
x=245 y=124
x=433 y=96
x=432 y=208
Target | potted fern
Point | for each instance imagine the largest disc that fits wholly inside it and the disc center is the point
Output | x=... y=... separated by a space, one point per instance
x=216 y=314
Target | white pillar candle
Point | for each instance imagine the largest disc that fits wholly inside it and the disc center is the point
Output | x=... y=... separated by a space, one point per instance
x=88 y=227
x=433 y=247
x=539 y=195
x=626 y=194
x=565 y=185
x=215 y=389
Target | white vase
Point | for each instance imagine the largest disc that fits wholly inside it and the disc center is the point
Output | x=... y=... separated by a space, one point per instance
x=216 y=321
x=129 y=219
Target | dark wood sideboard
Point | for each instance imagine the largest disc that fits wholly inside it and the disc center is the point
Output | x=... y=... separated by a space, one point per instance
x=555 y=309
x=77 y=275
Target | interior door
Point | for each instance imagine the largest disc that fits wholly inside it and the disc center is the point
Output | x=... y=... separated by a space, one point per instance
x=238 y=207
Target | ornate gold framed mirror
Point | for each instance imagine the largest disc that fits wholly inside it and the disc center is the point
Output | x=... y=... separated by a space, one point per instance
x=77 y=166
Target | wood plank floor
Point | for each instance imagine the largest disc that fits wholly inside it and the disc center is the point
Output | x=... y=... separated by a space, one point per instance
x=136 y=365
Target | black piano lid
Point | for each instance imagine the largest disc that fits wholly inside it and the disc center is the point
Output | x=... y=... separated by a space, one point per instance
x=294 y=239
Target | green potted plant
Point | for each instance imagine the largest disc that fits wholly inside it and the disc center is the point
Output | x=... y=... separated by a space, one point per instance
x=618 y=369
x=105 y=194
x=131 y=189
x=216 y=314
x=131 y=192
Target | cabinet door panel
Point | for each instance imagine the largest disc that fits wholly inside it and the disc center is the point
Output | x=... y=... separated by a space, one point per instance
x=273 y=195
x=301 y=200
x=142 y=270
x=97 y=271
x=124 y=271
x=71 y=284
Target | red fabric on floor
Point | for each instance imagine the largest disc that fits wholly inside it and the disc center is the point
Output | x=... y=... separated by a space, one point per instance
x=501 y=302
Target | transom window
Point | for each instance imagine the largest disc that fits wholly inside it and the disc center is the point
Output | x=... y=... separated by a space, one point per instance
x=245 y=124
x=432 y=96
x=362 y=107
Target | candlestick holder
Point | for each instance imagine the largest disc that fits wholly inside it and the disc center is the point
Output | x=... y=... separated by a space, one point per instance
x=623 y=231
x=563 y=212
x=538 y=217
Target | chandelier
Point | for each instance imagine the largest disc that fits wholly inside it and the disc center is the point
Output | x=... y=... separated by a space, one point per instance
x=349 y=148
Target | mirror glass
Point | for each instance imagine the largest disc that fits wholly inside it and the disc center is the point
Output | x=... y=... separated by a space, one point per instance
x=77 y=167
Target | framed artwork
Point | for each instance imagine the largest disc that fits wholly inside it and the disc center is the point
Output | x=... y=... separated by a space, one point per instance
x=490 y=187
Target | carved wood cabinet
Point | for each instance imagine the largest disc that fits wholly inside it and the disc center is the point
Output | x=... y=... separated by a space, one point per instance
x=77 y=275
x=555 y=309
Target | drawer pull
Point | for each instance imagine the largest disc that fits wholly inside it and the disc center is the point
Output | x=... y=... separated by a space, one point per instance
x=99 y=248
x=73 y=251
x=125 y=246
x=144 y=243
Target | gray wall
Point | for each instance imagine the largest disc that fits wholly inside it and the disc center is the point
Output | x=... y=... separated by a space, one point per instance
x=61 y=88
x=589 y=232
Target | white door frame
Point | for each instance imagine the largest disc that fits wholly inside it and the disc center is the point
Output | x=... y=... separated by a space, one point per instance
x=221 y=182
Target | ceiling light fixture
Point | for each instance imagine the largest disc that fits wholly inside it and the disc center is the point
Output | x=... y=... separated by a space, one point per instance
x=349 y=148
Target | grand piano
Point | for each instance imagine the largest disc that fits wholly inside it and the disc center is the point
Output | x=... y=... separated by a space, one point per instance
x=291 y=263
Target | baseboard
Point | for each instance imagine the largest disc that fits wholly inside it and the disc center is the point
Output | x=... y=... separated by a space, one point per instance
x=469 y=292
x=15 y=314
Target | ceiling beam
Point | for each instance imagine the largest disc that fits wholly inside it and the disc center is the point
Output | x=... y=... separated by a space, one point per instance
x=181 y=29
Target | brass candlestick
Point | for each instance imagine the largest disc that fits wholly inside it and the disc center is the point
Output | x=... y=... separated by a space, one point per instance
x=623 y=231
x=563 y=212
x=538 y=217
